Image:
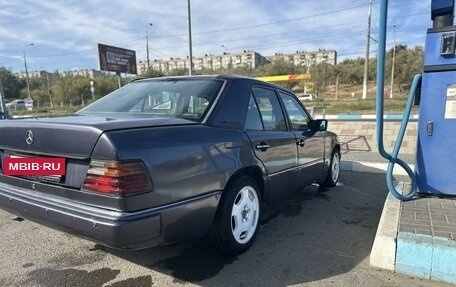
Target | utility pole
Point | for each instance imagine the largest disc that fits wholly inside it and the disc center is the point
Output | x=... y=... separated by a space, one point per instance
x=26 y=72
x=337 y=86
x=366 y=61
x=48 y=90
x=392 y=64
x=147 y=45
x=190 y=66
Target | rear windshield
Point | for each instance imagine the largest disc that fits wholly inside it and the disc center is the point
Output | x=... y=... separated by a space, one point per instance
x=189 y=99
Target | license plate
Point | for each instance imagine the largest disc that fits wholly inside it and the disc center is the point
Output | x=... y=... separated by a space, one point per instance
x=34 y=166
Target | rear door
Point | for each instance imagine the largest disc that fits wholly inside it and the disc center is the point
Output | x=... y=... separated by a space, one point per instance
x=310 y=143
x=272 y=142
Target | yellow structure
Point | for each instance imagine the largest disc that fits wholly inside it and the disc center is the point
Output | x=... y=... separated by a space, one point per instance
x=285 y=78
x=291 y=82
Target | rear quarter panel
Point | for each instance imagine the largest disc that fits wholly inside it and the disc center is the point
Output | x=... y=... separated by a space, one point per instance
x=183 y=161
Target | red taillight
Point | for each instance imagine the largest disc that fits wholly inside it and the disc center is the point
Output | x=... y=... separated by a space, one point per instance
x=118 y=178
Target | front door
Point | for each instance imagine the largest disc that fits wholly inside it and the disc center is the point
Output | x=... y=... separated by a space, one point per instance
x=310 y=143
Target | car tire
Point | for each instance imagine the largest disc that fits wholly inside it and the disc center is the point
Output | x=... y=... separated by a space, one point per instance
x=334 y=169
x=237 y=220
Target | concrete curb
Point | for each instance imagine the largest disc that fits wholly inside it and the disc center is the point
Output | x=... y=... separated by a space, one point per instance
x=426 y=256
x=371 y=167
x=383 y=253
x=366 y=117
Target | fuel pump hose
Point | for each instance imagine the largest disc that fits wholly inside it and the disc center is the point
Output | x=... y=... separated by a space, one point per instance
x=393 y=157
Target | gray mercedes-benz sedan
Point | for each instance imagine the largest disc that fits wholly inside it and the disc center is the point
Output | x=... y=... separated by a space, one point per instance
x=165 y=160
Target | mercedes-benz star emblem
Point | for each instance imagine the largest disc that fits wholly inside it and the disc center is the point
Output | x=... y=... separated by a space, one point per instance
x=29 y=137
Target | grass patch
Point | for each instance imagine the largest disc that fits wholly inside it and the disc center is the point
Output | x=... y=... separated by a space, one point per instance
x=350 y=102
x=368 y=106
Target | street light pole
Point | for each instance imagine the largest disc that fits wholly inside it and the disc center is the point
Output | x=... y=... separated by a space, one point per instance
x=392 y=64
x=226 y=50
x=26 y=71
x=228 y=54
x=190 y=66
x=147 y=45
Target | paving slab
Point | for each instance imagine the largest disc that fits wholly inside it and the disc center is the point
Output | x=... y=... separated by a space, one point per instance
x=416 y=237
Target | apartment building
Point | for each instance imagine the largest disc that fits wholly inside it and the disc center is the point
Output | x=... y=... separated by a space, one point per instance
x=90 y=73
x=303 y=58
x=246 y=58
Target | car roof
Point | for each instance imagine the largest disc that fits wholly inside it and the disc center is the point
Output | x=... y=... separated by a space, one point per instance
x=193 y=77
x=227 y=77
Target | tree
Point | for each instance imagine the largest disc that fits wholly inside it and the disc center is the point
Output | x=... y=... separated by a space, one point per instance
x=12 y=85
x=151 y=73
x=104 y=85
x=279 y=67
x=178 y=72
x=408 y=62
x=352 y=71
x=321 y=75
x=73 y=90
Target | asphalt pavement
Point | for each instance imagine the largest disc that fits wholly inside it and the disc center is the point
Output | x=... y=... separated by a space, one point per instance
x=320 y=237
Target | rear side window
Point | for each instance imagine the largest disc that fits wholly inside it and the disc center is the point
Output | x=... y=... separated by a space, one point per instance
x=270 y=110
x=253 y=118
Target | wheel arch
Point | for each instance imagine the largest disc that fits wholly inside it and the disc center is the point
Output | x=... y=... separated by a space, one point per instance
x=335 y=147
x=257 y=174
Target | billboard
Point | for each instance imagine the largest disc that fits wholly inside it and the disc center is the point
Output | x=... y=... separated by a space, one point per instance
x=114 y=59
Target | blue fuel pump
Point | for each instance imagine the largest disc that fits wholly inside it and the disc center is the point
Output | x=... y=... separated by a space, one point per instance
x=435 y=91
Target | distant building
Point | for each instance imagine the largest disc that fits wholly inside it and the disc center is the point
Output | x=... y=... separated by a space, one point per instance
x=164 y=66
x=90 y=73
x=249 y=59
x=246 y=58
x=303 y=58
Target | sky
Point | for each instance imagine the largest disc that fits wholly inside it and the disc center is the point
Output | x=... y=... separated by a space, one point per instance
x=65 y=34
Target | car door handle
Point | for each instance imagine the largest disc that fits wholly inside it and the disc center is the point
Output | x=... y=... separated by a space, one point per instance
x=262 y=146
x=301 y=143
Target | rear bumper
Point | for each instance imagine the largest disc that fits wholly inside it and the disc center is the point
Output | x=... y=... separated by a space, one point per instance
x=133 y=230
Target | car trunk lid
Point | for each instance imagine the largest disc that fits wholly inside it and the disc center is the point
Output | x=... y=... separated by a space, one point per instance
x=70 y=136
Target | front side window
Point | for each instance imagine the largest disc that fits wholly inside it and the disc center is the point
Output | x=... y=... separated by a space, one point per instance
x=296 y=114
x=180 y=98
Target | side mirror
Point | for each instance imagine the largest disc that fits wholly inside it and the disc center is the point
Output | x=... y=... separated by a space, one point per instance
x=319 y=125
